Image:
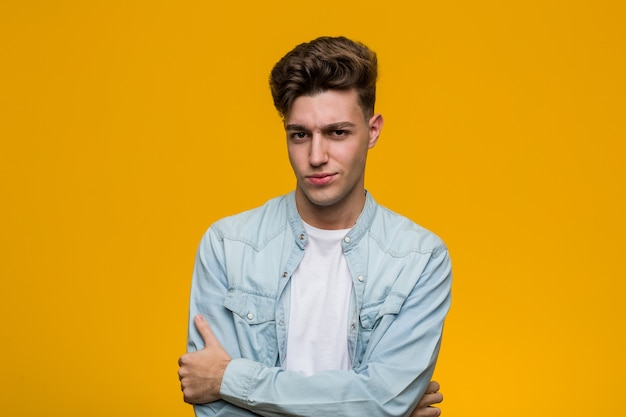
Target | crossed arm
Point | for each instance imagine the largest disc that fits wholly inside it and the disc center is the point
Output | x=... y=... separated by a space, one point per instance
x=201 y=374
x=396 y=360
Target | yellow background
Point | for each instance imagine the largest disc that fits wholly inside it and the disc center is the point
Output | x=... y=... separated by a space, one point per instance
x=128 y=127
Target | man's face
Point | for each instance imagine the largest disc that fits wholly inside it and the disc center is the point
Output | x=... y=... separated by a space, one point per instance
x=327 y=141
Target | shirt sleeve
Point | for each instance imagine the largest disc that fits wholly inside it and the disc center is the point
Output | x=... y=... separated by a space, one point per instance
x=208 y=290
x=397 y=366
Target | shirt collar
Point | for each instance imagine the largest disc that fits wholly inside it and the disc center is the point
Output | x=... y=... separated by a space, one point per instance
x=355 y=234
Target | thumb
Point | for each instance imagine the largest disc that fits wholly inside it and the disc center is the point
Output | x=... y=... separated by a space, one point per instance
x=205 y=330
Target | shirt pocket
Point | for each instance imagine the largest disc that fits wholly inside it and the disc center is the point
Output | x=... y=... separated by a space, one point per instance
x=375 y=318
x=254 y=319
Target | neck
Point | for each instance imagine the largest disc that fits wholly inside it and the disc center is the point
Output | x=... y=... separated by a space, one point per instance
x=341 y=215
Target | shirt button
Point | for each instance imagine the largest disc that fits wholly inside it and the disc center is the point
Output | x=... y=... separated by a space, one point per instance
x=346 y=239
x=302 y=236
x=281 y=323
x=361 y=278
x=250 y=316
x=284 y=274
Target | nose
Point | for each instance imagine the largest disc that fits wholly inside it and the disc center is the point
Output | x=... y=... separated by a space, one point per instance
x=318 y=153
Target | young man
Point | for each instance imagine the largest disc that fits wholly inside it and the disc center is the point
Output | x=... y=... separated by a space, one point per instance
x=320 y=302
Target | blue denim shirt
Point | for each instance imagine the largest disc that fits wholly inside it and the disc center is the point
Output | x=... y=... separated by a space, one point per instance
x=401 y=294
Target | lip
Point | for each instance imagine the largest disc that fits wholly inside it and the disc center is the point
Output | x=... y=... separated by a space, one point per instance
x=320 y=179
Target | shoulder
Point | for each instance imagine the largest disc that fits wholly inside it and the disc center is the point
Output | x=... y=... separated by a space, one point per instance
x=396 y=233
x=254 y=226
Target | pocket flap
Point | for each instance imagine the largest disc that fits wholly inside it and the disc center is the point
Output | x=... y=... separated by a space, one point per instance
x=371 y=314
x=252 y=308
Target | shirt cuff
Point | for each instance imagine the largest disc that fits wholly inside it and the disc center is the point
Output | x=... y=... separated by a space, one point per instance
x=238 y=380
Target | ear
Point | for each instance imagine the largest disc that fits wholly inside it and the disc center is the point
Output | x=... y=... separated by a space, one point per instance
x=375 y=127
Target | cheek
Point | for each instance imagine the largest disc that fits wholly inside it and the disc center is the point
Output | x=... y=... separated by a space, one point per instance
x=353 y=155
x=295 y=157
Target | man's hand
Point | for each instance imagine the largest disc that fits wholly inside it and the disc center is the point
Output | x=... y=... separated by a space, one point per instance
x=201 y=372
x=425 y=406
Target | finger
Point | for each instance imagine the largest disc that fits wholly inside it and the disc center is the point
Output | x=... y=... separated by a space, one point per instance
x=205 y=330
x=433 y=387
x=430 y=399
x=426 y=412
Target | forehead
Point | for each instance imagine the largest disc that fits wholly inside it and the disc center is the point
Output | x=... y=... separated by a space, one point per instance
x=331 y=106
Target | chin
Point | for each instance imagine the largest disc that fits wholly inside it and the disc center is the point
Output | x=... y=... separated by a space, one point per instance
x=322 y=200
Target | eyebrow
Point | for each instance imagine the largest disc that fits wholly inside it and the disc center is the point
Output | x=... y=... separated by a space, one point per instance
x=329 y=127
x=295 y=127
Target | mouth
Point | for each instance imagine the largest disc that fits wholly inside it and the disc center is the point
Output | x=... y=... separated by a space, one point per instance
x=320 y=179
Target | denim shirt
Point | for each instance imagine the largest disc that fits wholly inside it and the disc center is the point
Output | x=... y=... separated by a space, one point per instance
x=401 y=294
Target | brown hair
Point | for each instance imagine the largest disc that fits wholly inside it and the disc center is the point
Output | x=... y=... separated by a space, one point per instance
x=325 y=63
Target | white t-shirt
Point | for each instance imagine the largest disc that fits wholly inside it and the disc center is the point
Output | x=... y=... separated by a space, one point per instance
x=321 y=286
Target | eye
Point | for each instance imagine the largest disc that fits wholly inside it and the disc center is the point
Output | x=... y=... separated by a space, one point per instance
x=298 y=135
x=339 y=133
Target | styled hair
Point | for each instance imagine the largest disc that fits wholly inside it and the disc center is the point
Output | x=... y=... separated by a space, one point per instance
x=325 y=63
